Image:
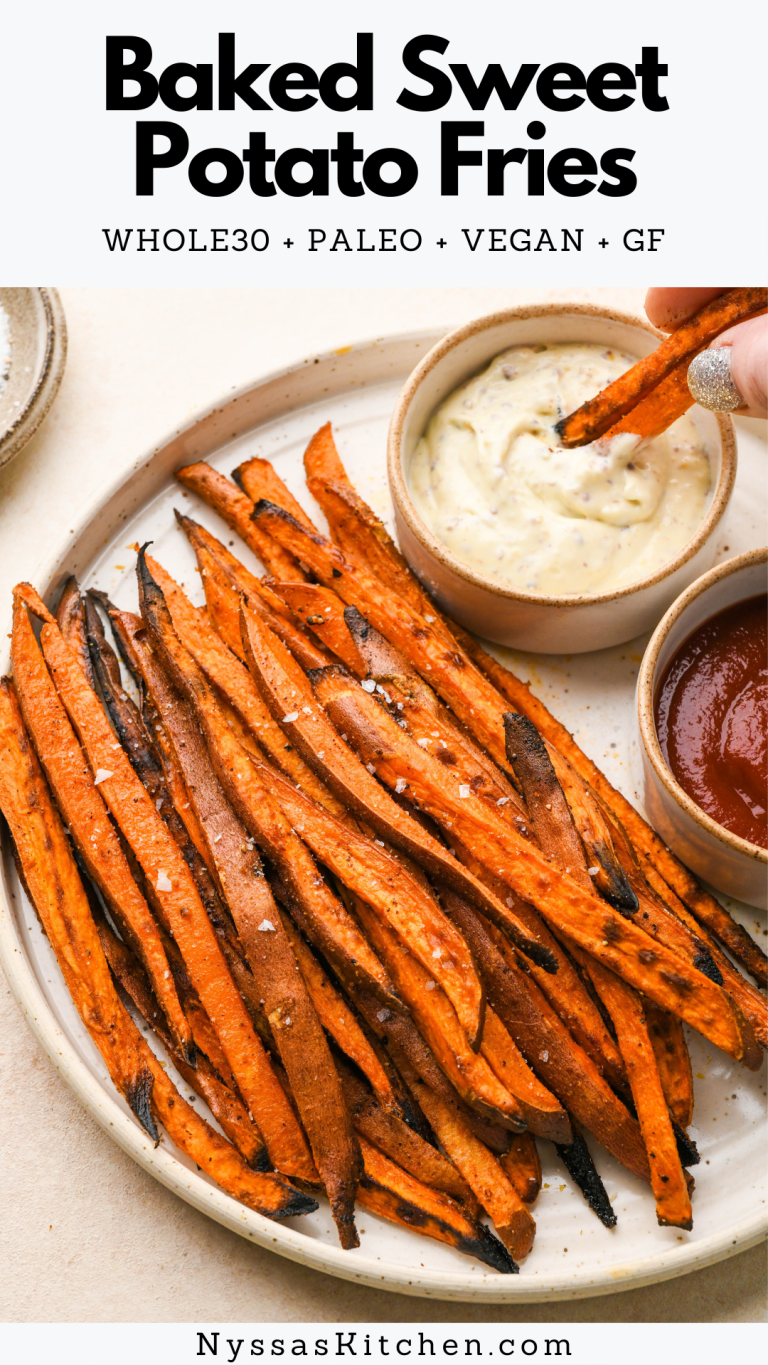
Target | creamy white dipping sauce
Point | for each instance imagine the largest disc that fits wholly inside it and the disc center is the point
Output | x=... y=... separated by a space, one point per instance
x=492 y=482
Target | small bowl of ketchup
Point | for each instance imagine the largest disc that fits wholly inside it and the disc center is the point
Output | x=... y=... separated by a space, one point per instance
x=703 y=717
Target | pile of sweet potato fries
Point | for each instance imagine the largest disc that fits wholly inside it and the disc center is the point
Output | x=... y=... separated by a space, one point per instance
x=385 y=917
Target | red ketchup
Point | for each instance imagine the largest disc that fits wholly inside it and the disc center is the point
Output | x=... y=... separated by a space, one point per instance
x=712 y=718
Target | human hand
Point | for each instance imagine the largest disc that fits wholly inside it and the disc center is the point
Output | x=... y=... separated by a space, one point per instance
x=735 y=380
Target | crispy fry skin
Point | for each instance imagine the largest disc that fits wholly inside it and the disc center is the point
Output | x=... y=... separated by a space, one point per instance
x=340 y=1022
x=402 y=1145
x=225 y=580
x=266 y=1193
x=259 y=479
x=142 y=745
x=323 y=612
x=203 y=1078
x=429 y=721
x=236 y=509
x=550 y=1051
x=437 y=1021
x=319 y=743
x=235 y=683
x=395 y=896
x=85 y=813
x=522 y=1165
x=564 y=989
x=595 y=926
x=392 y=1193
x=406 y=1046
x=483 y=1173
x=673 y=1205
x=653 y=854
x=558 y=838
x=580 y=1166
x=71 y=621
x=167 y=872
x=54 y=887
x=597 y=415
x=360 y=535
x=543 y=1114
x=673 y=1061
x=292 y=1019
x=332 y=927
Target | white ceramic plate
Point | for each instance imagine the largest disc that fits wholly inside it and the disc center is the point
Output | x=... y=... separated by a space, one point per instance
x=574 y=1254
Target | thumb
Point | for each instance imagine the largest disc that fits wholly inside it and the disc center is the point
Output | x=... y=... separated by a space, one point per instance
x=747 y=344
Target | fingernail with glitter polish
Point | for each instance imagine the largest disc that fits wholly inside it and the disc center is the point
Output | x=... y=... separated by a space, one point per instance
x=710 y=382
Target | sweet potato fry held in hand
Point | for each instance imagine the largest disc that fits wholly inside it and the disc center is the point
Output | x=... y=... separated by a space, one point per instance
x=595 y=417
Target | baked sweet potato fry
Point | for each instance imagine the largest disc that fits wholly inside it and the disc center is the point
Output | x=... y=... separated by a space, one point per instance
x=321 y=746
x=332 y=928
x=522 y=1165
x=595 y=926
x=549 y=1049
x=402 y=1145
x=595 y=417
x=341 y=1023
x=235 y=683
x=290 y=1014
x=651 y=850
x=235 y=508
x=565 y=990
x=673 y=1204
x=358 y=532
x=85 y=813
x=673 y=1061
x=59 y=898
x=558 y=838
x=659 y=408
x=53 y=885
x=222 y=1101
x=259 y=479
x=437 y=1021
x=167 y=872
x=543 y=1113
x=225 y=580
x=392 y=1193
x=394 y=895
x=482 y=1171
x=71 y=621
x=322 y=611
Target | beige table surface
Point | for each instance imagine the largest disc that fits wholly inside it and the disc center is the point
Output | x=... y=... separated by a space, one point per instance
x=85 y=1234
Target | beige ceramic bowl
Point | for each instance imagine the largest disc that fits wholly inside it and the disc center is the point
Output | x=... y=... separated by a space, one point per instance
x=531 y=621
x=38 y=334
x=730 y=864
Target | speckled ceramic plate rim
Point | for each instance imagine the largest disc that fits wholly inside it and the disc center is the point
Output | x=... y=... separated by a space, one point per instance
x=164 y=1166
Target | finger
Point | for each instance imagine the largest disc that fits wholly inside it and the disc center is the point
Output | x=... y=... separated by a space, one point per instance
x=732 y=375
x=667 y=308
